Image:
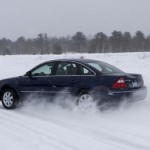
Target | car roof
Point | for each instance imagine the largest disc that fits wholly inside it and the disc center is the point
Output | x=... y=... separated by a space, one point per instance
x=76 y=60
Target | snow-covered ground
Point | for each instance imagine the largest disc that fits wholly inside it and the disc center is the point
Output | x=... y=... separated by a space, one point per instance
x=50 y=127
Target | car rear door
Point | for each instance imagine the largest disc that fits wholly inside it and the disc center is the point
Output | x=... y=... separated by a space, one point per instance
x=87 y=78
x=67 y=78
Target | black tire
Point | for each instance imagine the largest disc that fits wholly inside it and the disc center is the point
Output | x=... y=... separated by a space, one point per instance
x=9 y=99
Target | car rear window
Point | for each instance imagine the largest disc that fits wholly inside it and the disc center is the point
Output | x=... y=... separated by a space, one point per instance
x=104 y=67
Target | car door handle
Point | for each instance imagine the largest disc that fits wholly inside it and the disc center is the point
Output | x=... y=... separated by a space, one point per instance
x=54 y=86
x=73 y=82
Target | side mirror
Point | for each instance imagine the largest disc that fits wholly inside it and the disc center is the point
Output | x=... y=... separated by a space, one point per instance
x=28 y=73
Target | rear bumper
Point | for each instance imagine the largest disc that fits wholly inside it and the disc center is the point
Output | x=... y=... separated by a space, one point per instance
x=0 y=95
x=132 y=95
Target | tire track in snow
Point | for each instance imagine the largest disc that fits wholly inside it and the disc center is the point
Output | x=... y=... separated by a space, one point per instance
x=19 y=125
x=101 y=135
x=109 y=134
x=35 y=133
x=104 y=135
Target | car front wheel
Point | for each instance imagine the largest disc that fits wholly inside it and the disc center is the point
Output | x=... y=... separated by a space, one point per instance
x=9 y=99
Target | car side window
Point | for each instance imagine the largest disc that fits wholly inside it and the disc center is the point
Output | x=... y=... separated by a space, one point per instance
x=67 y=68
x=43 y=70
x=98 y=67
x=85 y=71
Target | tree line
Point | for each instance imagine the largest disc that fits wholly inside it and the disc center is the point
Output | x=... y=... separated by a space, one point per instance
x=78 y=43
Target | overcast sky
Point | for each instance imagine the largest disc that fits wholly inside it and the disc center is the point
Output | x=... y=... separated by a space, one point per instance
x=63 y=17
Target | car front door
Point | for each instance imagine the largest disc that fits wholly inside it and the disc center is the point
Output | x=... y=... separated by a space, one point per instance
x=39 y=80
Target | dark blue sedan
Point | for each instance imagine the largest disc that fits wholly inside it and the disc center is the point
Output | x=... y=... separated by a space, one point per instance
x=88 y=80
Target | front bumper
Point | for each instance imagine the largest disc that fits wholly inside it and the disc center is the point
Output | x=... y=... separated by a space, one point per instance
x=131 y=95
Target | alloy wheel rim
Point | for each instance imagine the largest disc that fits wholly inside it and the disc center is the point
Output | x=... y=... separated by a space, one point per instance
x=8 y=99
x=86 y=102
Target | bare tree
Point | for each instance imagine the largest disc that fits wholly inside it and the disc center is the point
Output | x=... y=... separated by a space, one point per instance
x=99 y=43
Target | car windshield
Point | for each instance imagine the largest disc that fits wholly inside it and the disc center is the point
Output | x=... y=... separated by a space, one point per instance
x=104 y=67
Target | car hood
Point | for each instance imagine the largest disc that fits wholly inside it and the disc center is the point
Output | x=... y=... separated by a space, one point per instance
x=10 y=79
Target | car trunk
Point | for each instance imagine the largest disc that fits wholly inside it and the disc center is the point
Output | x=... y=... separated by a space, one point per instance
x=132 y=81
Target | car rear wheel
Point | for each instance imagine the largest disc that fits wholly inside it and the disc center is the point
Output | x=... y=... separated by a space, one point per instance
x=9 y=99
x=85 y=102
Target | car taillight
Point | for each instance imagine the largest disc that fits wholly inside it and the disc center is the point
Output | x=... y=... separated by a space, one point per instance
x=119 y=84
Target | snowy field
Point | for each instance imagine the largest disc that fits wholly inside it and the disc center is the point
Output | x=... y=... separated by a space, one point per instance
x=50 y=127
